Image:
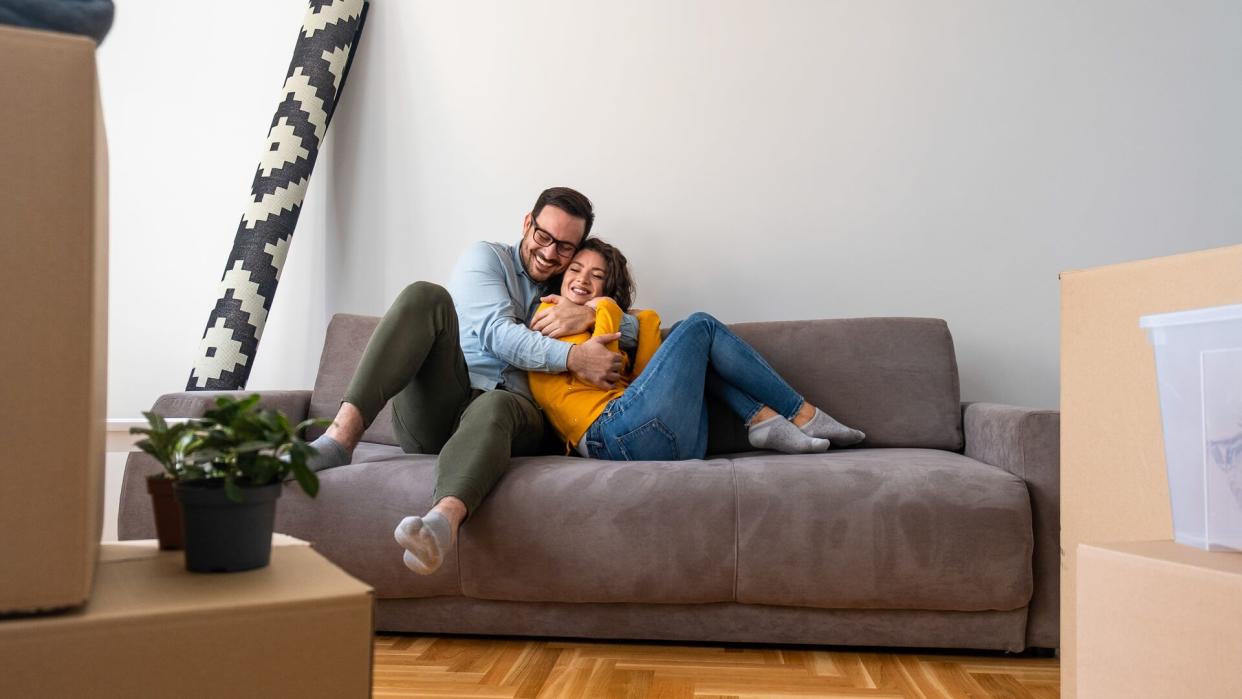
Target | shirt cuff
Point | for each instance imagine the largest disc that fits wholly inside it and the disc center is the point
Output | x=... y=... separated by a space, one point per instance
x=558 y=358
x=629 y=332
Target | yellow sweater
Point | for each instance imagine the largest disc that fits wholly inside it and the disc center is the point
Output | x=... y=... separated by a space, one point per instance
x=572 y=404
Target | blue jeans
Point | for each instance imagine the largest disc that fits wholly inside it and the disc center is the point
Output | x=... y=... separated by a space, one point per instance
x=663 y=416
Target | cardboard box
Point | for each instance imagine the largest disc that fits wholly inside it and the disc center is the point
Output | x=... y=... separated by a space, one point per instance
x=53 y=234
x=301 y=627
x=1158 y=619
x=1113 y=483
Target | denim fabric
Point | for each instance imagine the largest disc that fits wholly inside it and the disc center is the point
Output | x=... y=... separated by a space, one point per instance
x=662 y=415
x=92 y=18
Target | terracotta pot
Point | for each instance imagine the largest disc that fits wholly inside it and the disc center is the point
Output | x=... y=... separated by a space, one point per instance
x=223 y=536
x=167 y=512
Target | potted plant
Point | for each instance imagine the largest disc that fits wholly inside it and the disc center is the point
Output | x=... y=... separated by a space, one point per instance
x=231 y=475
x=168 y=444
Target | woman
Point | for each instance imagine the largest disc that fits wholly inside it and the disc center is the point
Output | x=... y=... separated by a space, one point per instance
x=657 y=410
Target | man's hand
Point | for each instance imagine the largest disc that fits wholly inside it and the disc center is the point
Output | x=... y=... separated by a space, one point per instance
x=594 y=363
x=562 y=318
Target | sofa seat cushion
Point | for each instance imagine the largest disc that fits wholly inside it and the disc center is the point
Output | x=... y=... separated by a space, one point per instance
x=358 y=506
x=566 y=529
x=882 y=529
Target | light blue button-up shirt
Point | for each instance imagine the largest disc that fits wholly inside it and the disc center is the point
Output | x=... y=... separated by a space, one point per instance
x=495 y=298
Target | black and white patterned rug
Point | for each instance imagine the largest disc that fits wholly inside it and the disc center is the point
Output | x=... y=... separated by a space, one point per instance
x=312 y=89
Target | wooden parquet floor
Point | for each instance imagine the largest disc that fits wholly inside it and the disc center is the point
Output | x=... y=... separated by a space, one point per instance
x=456 y=666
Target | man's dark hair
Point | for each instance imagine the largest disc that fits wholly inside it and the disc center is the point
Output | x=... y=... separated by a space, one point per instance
x=571 y=201
x=618 y=283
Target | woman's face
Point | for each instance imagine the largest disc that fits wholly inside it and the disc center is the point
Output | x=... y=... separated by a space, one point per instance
x=584 y=279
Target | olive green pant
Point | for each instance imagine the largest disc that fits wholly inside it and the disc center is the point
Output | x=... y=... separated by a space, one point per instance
x=415 y=359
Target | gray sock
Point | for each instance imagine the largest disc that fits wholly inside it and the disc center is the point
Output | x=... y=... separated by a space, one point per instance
x=824 y=427
x=426 y=540
x=331 y=454
x=782 y=435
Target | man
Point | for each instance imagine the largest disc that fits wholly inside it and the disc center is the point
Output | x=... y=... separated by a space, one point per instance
x=455 y=368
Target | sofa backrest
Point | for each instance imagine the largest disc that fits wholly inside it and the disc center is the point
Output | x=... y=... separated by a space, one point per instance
x=347 y=337
x=894 y=378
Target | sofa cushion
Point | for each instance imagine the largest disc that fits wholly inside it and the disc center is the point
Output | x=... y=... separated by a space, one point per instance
x=894 y=378
x=882 y=529
x=343 y=345
x=565 y=529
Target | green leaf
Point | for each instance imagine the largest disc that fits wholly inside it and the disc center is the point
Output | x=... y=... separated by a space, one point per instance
x=231 y=490
x=156 y=421
x=204 y=456
x=306 y=478
x=266 y=469
x=247 y=447
x=300 y=430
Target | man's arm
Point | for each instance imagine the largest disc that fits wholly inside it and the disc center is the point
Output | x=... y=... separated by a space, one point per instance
x=597 y=360
x=557 y=319
x=483 y=301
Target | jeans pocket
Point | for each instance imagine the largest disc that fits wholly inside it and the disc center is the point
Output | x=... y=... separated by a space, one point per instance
x=650 y=441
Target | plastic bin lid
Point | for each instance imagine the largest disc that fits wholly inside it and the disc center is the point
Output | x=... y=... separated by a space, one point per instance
x=1197 y=315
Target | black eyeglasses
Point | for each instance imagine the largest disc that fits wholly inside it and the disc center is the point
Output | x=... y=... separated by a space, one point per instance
x=544 y=239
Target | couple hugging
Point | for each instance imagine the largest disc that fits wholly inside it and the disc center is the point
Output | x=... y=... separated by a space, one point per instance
x=468 y=370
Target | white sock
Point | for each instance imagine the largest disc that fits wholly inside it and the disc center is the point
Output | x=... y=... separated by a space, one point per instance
x=426 y=540
x=782 y=435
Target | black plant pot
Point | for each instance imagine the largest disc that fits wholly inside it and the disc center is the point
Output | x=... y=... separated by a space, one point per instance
x=223 y=536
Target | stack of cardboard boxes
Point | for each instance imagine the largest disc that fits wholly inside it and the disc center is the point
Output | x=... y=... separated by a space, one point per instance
x=1141 y=616
x=117 y=620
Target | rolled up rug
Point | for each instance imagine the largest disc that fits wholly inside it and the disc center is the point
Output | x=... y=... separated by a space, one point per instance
x=313 y=84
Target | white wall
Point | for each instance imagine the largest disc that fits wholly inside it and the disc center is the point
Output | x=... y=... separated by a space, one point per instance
x=799 y=159
x=760 y=160
x=188 y=94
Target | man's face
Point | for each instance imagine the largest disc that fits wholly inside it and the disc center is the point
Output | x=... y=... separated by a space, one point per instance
x=543 y=262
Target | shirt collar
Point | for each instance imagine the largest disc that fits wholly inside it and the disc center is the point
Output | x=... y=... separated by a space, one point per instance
x=517 y=261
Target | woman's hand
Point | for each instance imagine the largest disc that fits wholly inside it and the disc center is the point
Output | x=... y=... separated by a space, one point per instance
x=594 y=303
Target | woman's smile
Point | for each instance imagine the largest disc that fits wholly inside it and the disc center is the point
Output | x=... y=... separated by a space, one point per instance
x=584 y=280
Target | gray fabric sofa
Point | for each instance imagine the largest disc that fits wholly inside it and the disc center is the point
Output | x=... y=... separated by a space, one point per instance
x=940 y=530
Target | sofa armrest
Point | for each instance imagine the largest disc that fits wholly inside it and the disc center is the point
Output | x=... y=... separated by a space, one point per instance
x=134 y=517
x=294 y=404
x=1027 y=443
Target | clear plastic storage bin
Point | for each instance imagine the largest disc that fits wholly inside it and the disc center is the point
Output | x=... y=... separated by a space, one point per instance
x=1199 y=370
